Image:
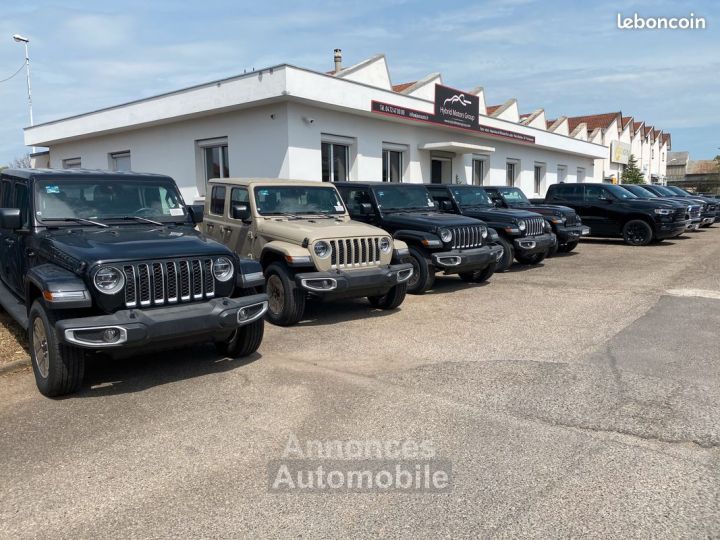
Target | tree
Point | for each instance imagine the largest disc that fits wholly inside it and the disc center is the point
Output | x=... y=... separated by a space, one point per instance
x=21 y=162
x=631 y=174
x=717 y=164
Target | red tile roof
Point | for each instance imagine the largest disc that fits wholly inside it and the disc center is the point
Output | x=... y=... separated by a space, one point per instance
x=593 y=121
x=492 y=108
x=402 y=86
x=636 y=126
x=656 y=133
x=625 y=121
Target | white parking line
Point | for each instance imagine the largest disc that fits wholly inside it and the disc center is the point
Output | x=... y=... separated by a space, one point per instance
x=699 y=293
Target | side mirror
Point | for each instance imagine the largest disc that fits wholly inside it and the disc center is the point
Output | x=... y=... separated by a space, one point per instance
x=366 y=209
x=10 y=218
x=446 y=205
x=240 y=211
x=197 y=213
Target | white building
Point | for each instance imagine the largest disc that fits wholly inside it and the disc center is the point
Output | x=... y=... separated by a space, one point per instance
x=349 y=124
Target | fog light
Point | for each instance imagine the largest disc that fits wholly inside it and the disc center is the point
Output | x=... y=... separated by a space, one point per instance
x=111 y=335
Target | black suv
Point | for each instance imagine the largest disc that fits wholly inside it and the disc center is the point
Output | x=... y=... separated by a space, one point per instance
x=565 y=222
x=523 y=235
x=610 y=210
x=436 y=241
x=693 y=215
x=99 y=262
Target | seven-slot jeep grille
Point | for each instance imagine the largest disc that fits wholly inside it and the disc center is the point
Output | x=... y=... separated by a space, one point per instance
x=466 y=237
x=535 y=226
x=167 y=282
x=354 y=252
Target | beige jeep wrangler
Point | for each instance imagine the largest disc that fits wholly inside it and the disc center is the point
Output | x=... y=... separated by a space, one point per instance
x=306 y=242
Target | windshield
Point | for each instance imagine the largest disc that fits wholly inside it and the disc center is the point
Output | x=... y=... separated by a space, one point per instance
x=665 y=191
x=297 y=200
x=620 y=192
x=641 y=192
x=105 y=199
x=513 y=195
x=678 y=191
x=471 y=196
x=403 y=198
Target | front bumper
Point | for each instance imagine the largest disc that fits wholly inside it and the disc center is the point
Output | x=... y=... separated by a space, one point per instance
x=355 y=283
x=535 y=244
x=708 y=220
x=572 y=233
x=139 y=327
x=670 y=230
x=466 y=260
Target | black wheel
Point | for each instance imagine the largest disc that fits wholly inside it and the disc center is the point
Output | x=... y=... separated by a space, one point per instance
x=507 y=257
x=244 y=341
x=286 y=301
x=392 y=299
x=553 y=250
x=637 y=233
x=531 y=258
x=567 y=248
x=58 y=368
x=483 y=275
x=423 y=272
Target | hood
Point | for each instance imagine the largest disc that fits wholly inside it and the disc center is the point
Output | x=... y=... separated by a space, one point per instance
x=547 y=209
x=127 y=243
x=426 y=220
x=296 y=231
x=675 y=201
x=648 y=204
x=499 y=214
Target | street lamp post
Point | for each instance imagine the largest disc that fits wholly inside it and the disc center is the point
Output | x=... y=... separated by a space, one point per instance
x=25 y=41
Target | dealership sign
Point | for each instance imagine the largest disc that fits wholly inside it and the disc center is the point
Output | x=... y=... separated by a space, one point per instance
x=453 y=108
x=620 y=152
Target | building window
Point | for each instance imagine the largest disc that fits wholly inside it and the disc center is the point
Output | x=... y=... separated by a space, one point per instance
x=392 y=166
x=479 y=170
x=539 y=176
x=580 y=174
x=511 y=172
x=561 y=174
x=216 y=163
x=72 y=163
x=120 y=161
x=335 y=162
x=217 y=200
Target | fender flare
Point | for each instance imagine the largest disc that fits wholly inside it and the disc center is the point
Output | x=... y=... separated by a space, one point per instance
x=60 y=288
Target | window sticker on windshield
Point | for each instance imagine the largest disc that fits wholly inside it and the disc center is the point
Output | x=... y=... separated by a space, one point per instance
x=52 y=189
x=339 y=208
x=264 y=192
x=176 y=212
x=430 y=203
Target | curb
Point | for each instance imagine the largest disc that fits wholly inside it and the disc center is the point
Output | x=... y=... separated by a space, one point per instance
x=12 y=366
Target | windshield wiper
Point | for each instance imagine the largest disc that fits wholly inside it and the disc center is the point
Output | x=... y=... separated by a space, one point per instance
x=78 y=220
x=137 y=218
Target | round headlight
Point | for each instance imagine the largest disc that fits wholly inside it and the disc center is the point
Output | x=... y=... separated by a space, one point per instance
x=484 y=231
x=223 y=269
x=109 y=280
x=445 y=235
x=385 y=244
x=322 y=249
x=521 y=225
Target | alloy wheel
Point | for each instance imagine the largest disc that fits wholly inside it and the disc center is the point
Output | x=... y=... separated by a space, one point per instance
x=40 y=348
x=276 y=294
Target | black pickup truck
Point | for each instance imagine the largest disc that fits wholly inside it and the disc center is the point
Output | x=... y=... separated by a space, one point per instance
x=565 y=222
x=523 y=235
x=710 y=211
x=436 y=241
x=610 y=210
x=693 y=216
x=100 y=262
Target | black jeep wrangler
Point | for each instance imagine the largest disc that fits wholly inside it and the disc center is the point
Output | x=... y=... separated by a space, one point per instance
x=99 y=262
x=566 y=224
x=523 y=235
x=436 y=241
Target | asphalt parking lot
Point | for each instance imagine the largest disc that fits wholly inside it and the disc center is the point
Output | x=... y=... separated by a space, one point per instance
x=581 y=397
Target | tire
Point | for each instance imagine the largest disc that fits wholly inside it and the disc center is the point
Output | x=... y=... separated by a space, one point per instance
x=244 y=341
x=478 y=276
x=58 y=368
x=532 y=258
x=508 y=256
x=637 y=232
x=390 y=300
x=423 y=276
x=567 y=248
x=553 y=250
x=286 y=301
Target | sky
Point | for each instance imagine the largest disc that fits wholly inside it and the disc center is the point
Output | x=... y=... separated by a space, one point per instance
x=566 y=57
